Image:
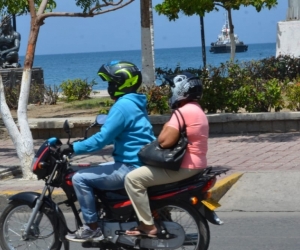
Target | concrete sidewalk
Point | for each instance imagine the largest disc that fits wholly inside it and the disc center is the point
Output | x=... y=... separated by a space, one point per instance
x=272 y=153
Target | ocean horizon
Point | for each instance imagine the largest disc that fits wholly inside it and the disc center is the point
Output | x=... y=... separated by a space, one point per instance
x=87 y=52
x=61 y=67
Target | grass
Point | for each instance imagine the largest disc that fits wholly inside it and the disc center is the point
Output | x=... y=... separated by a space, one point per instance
x=93 y=103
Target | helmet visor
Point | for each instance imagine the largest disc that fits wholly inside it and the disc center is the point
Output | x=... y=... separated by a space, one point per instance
x=105 y=77
x=104 y=73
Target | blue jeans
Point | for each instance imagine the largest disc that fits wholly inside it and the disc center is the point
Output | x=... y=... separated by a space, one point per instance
x=108 y=176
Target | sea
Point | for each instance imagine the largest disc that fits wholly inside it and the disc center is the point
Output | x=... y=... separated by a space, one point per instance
x=61 y=67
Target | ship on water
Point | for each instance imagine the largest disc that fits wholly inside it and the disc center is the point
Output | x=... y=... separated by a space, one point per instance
x=223 y=44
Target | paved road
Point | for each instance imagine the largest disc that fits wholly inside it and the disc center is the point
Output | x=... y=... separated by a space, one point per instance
x=271 y=191
x=252 y=231
x=261 y=211
x=256 y=231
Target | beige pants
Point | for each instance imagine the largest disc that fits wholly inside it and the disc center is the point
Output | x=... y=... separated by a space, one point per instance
x=138 y=180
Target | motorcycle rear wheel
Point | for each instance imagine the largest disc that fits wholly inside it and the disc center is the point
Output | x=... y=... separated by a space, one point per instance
x=195 y=226
x=13 y=222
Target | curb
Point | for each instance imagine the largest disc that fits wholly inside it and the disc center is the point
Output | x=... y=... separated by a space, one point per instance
x=56 y=194
x=223 y=185
x=10 y=172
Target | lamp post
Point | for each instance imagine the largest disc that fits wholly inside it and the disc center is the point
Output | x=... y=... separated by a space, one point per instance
x=203 y=41
x=14 y=22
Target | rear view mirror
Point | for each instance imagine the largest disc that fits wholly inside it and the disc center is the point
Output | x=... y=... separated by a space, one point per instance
x=66 y=127
x=100 y=119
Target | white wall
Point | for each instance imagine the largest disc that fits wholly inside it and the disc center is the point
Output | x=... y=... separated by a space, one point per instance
x=288 y=38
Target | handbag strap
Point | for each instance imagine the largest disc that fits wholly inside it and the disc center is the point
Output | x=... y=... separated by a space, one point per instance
x=182 y=129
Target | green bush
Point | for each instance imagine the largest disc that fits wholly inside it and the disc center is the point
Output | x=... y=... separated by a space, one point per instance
x=293 y=95
x=219 y=88
x=282 y=67
x=259 y=95
x=36 y=94
x=157 y=97
x=105 y=106
x=77 y=89
x=251 y=86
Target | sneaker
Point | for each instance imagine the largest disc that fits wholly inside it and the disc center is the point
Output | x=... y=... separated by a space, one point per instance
x=84 y=234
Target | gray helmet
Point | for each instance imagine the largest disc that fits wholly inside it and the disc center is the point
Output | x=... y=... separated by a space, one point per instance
x=184 y=86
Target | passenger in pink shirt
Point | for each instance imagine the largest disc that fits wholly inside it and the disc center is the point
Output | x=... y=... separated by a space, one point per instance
x=186 y=91
x=197 y=133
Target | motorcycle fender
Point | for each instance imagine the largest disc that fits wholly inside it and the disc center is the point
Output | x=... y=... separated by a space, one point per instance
x=210 y=215
x=28 y=197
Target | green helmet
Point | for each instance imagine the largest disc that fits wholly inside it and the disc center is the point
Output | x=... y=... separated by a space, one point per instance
x=122 y=77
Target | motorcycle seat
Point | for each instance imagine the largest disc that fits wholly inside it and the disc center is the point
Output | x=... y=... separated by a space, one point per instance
x=122 y=194
x=177 y=184
x=163 y=188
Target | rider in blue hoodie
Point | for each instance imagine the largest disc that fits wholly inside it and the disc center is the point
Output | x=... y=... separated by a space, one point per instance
x=127 y=126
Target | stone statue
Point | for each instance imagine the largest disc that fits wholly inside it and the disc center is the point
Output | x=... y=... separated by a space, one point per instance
x=293 y=10
x=9 y=45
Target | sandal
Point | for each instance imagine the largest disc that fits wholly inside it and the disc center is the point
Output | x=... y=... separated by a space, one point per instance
x=137 y=232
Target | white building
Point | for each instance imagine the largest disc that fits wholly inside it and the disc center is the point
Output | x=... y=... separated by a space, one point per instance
x=288 y=32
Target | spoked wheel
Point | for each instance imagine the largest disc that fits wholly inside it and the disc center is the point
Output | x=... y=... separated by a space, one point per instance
x=196 y=229
x=42 y=234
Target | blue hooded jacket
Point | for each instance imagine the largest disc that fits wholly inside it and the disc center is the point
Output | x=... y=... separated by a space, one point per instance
x=127 y=126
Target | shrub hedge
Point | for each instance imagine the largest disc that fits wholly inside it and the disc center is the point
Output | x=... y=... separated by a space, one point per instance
x=270 y=84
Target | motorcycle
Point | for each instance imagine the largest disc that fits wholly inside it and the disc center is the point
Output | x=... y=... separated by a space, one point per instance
x=181 y=210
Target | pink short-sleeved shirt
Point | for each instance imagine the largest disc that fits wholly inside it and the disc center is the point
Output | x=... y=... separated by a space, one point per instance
x=197 y=132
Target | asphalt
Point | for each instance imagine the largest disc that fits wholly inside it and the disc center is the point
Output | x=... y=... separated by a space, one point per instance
x=253 y=158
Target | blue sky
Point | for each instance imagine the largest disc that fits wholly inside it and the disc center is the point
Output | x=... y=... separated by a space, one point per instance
x=120 y=30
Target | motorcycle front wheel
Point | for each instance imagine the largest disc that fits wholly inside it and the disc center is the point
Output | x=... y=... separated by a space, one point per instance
x=42 y=234
x=197 y=235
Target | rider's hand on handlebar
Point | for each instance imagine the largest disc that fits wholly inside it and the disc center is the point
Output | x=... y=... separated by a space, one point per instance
x=66 y=149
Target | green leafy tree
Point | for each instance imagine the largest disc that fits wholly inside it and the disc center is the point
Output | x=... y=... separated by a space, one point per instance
x=20 y=7
x=39 y=10
x=172 y=8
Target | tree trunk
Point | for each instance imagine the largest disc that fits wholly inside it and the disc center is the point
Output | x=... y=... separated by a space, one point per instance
x=231 y=35
x=21 y=134
x=22 y=140
x=147 y=42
